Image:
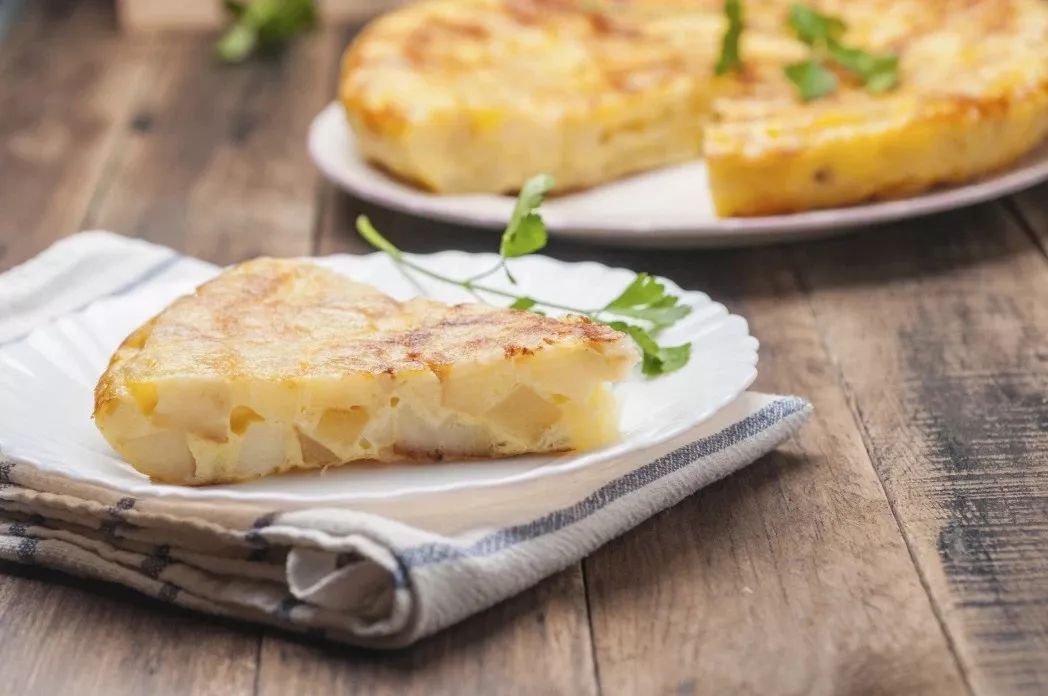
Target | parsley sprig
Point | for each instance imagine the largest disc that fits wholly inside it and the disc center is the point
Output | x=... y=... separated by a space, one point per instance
x=525 y=232
x=812 y=77
x=729 y=59
x=644 y=300
x=263 y=25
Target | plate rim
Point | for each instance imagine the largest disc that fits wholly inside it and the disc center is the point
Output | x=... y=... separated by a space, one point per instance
x=720 y=232
x=748 y=358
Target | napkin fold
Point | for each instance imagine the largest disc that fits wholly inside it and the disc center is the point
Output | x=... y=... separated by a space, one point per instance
x=341 y=573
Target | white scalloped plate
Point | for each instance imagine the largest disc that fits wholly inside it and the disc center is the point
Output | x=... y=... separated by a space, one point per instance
x=668 y=207
x=47 y=378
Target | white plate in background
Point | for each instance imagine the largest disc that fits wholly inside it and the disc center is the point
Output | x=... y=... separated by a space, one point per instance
x=668 y=207
x=47 y=381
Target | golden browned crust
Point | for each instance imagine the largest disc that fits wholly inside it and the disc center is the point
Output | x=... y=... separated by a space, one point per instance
x=286 y=319
x=282 y=364
x=444 y=92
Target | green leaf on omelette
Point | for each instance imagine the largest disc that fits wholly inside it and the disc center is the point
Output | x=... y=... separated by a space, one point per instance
x=878 y=72
x=811 y=79
x=812 y=27
x=730 y=59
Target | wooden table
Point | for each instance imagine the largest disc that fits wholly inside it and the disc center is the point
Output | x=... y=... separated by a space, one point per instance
x=899 y=545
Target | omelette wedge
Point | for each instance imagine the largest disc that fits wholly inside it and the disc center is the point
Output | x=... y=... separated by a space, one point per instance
x=281 y=364
x=477 y=95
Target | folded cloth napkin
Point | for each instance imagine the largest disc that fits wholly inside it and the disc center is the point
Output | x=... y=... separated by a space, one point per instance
x=344 y=574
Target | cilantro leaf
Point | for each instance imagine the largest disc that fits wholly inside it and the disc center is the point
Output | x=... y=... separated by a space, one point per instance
x=879 y=73
x=643 y=290
x=526 y=232
x=234 y=7
x=854 y=59
x=729 y=54
x=656 y=360
x=372 y=237
x=883 y=80
x=661 y=315
x=811 y=79
x=523 y=303
x=813 y=27
x=263 y=24
x=281 y=19
x=237 y=43
x=526 y=235
x=672 y=358
x=646 y=298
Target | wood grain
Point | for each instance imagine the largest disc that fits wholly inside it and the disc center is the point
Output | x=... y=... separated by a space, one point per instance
x=922 y=346
x=153 y=15
x=940 y=329
x=1032 y=207
x=336 y=232
x=535 y=643
x=788 y=578
x=214 y=160
x=163 y=15
x=60 y=634
x=66 y=84
x=207 y=159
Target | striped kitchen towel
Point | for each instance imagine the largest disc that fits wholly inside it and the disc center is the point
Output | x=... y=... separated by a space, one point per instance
x=346 y=574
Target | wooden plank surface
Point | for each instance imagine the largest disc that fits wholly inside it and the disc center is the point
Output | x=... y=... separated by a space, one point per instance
x=897 y=546
x=535 y=643
x=66 y=85
x=213 y=158
x=164 y=15
x=940 y=331
x=1032 y=209
x=202 y=158
x=63 y=635
x=788 y=578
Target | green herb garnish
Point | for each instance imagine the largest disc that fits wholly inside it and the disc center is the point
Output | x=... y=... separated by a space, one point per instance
x=523 y=303
x=644 y=299
x=375 y=238
x=878 y=73
x=730 y=59
x=657 y=360
x=813 y=27
x=525 y=232
x=263 y=25
x=812 y=78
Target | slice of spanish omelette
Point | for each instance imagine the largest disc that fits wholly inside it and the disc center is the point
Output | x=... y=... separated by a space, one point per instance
x=477 y=95
x=281 y=364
